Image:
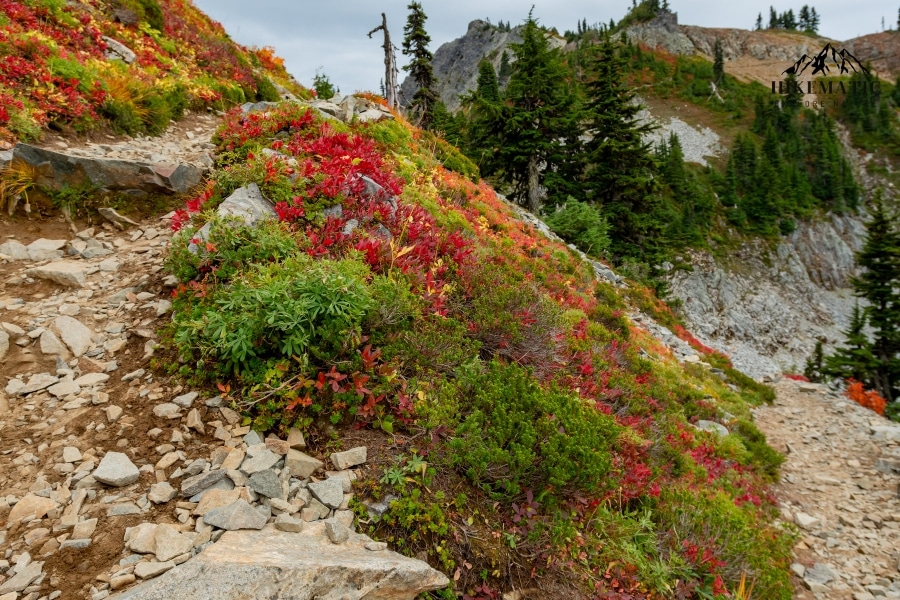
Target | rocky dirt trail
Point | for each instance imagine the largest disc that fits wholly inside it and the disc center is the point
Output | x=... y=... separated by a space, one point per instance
x=113 y=475
x=839 y=485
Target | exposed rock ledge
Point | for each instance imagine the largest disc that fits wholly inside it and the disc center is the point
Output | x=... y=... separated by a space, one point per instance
x=246 y=565
x=766 y=309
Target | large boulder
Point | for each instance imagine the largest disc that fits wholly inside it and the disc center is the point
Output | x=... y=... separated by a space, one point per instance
x=301 y=566
x=246 y=205
x=56 y=171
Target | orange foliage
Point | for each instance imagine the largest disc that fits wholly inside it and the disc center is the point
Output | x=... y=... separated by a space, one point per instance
x=867 y=398
x=267 y=57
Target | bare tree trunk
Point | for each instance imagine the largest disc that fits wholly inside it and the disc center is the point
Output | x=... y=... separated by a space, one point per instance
x=390 y=64
x=534 y=185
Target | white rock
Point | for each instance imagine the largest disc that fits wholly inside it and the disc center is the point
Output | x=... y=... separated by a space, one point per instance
x=66 y=273
x=73 y=333
x=116 y=469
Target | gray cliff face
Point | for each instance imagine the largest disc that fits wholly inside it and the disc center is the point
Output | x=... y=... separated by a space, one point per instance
x=766 y=308
x=456 y=63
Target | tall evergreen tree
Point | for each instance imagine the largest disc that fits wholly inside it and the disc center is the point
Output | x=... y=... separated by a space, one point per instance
x=540 y=121
x=759 y=22
x=485 y=120
x=505 y=68
x=880 y=285
x=620 y=170
x=415 y=45
x=773 y=18
x=788 y=21
x=718 y=63
x=813 y=20
x=488 y=88
x=803 y=21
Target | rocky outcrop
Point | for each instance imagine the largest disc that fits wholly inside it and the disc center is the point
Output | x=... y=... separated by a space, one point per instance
x=661 y=32
x=56 y=170
x=302 y=566
x=766 y=308
x=882 y=50
x=456 y=63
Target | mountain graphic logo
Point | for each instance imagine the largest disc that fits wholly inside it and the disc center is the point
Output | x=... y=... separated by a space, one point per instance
x=827 y=59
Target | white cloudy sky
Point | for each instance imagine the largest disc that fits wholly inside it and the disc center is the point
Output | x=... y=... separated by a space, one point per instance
x=331 y=34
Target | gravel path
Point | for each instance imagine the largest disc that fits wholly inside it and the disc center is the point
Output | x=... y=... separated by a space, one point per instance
x=839 y=485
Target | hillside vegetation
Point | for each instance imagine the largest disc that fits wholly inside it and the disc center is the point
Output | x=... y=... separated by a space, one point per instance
x=531 y=435
x=785 y=162
x=61 y=66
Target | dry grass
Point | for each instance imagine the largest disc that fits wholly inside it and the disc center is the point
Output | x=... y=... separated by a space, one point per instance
x=15 y=181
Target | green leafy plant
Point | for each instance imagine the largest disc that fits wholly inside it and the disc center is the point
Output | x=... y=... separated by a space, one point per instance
x=519 y=435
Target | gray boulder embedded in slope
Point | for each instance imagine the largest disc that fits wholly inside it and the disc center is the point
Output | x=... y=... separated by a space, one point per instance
x=301 y=566
x=57 y=170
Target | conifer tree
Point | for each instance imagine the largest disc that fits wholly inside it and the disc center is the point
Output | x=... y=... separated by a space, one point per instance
x=488 y=88
x=803 y=21
x=880 y=285
x=415 y=45
x=773 y=18
x=620 y=166
x=759 y=22
x=718 y=63
x=853 y=360
x=485 y=120
x=540 y=121
x=813 y=20
x=815 y=364
x=788 y=21
x=505 y=68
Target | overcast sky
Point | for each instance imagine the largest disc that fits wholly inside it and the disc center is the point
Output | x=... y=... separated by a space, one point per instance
x=331 y=34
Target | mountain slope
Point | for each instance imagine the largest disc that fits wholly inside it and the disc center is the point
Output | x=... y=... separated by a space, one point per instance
x=132 y=65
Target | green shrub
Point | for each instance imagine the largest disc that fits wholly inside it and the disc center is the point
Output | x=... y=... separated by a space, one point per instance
x=581 y=224
x=761 y=454
x=737 y=535
x=152 y=14
x=297 y=309
x=519 y=436
x=237 y=248
x=123 y=116
x=72 y=69
x=266 y=90
x=511 y=318
x=759 y=393
x=433 y=345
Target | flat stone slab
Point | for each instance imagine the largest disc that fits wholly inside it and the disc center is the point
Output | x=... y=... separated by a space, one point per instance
x=56 y=170
x=37 y=382
x=237 y=515
x=299 y=566
x=349 y=458
x=62 y=272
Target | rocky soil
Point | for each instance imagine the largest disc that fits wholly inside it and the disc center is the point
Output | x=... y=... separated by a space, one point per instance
x=839 y=486
x=113 y=475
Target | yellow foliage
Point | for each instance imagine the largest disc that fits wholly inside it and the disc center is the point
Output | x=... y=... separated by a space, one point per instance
x=15 y=180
